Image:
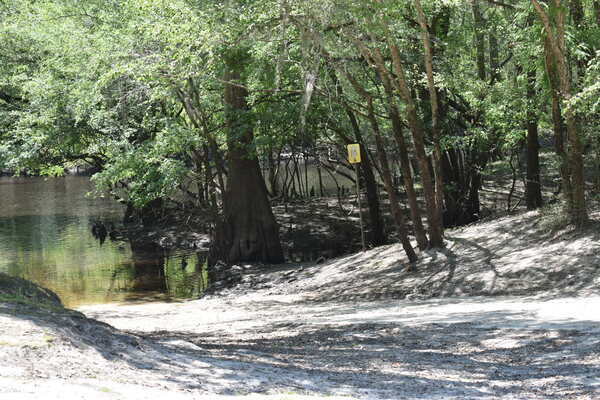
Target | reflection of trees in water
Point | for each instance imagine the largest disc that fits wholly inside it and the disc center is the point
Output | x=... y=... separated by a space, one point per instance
x=148 y=263
x=187 y=274
x=51 y=250
x=140 y=277
x=60 y=252
x=153 y=272
x=36 y=232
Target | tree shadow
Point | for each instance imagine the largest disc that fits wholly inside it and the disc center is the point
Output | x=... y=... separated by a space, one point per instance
x=514 y=256
x=356 y=350
x=459 y=359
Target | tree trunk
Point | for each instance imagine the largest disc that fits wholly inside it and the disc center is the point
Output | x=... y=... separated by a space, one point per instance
x=533 y=193
x=578 y=211
x=377 y=230
x=273 y=169
x=554 y=25
x=211 y=194
x=248 y=230
x=473 y=207
x=433 y=99
x=397 y=213
x=577 y=13
x=319 y=173
x=558 y=126
x=436 y=236
x=455 y=186
x=461 y=172
x=494 y=57
x=407 y=176
x=479 y=39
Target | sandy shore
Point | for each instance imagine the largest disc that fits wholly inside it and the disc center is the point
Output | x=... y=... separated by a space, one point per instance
x=504 y=312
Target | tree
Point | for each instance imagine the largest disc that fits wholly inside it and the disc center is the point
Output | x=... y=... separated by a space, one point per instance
x=554 y=22
x=176 y=103
x=248 y=230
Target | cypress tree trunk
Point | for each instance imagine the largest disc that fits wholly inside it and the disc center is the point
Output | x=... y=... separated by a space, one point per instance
x=248 y=230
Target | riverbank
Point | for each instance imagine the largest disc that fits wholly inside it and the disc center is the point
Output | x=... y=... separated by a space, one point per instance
x=309 y=229
x=508 y=310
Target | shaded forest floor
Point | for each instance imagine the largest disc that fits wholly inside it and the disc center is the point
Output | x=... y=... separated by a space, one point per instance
x=507 y=310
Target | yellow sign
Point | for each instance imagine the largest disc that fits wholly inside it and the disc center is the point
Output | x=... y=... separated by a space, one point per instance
x=354 y=153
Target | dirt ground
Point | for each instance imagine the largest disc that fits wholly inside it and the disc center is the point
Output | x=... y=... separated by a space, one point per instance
x=509 y=310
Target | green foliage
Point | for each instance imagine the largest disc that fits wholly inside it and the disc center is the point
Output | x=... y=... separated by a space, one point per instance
x=588 y=100
x=135 y=88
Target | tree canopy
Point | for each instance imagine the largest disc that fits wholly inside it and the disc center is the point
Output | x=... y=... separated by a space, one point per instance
x=169 y=97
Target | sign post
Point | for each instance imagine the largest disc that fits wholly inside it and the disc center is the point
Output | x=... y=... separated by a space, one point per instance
x=354 y=158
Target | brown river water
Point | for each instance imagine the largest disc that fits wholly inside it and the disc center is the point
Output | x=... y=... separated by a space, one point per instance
x=45 y=236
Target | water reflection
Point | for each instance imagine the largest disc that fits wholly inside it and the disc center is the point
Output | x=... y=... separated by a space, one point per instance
x=165 y=275
x=148 y=269
x=46 y=236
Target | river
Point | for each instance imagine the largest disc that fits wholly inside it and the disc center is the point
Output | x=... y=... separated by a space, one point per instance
x=45 y=237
